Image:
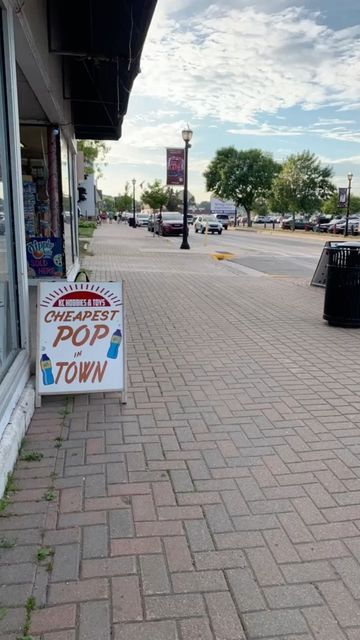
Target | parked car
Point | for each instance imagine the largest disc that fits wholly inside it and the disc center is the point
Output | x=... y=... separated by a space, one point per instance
x=169 y=223
x=2 y=224
x=299 y=223
x=190 y=218
x=224 y=219
x=318 y=221
x=353 y=225
x=142 y=219
x=324 y=227
x=211 y=222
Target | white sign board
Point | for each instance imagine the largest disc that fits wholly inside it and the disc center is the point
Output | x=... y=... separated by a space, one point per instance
x=80 y=338
x=221 y=206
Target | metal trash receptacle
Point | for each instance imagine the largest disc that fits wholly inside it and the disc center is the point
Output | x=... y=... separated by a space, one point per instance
x=342 y=293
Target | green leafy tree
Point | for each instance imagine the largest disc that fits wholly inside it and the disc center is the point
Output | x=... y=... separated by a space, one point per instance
x=302 y=185
x=261 y=207
x=241 y=176
x=108 y=203
x=123 y=202
x=95 y=152
x=174 y=199
x=204 y=205
x=154 y=195
x=331 y=206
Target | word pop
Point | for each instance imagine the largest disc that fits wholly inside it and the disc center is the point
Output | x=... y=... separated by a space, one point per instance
x=82 y=335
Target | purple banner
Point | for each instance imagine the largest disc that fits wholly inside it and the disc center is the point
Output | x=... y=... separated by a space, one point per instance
x=343 y=192
x=175 y=167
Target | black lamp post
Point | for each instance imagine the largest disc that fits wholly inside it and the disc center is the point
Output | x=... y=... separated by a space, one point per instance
x=186 y=135
x=350 y=177
x=134 y=221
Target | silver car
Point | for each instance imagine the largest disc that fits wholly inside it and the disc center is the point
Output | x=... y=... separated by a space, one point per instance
x=209 y=223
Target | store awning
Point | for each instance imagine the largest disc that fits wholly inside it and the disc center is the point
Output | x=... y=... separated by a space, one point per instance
x=101 y=42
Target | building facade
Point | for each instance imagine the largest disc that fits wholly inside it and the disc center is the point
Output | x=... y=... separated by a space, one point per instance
x=55 y=86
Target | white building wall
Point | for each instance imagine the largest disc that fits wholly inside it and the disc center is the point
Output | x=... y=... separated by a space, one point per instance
x=88 y=206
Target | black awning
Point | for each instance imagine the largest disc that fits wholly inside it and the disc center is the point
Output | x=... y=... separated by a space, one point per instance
x=101 y=43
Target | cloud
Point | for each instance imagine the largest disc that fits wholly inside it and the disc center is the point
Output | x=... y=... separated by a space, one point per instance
x=332 y=121
x=348 y=161
x=267 y=130
x=234 y=63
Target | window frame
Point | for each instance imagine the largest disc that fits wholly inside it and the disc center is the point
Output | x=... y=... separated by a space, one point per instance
x=18 y=373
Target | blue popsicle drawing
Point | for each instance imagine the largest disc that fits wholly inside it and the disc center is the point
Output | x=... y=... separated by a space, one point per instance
x=46 y=368
x=115 y=343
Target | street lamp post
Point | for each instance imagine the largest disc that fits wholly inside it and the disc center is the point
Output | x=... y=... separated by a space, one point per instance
x=186 y=136
x=133 y=203
x=349 y=177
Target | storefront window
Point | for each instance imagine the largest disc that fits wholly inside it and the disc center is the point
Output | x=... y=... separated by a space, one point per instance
x=41 y=187
x=9 y=334
x=67 y=206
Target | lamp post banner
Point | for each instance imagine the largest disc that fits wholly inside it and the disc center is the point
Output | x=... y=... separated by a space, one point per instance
x=343 y=195
x=175 y=163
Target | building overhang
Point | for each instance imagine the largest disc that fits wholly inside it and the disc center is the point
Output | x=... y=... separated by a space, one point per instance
x=100 y=42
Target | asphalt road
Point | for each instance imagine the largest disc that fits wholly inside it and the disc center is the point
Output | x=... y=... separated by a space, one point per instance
x=270 y=254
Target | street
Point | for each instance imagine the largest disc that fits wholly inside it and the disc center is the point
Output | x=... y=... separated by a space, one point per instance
x=270 y=254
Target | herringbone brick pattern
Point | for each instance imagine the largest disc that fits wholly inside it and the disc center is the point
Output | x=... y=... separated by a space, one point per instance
x=223 y=501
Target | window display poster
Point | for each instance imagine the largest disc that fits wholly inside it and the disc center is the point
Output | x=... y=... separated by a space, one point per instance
x=45 y=257
x=80 y=338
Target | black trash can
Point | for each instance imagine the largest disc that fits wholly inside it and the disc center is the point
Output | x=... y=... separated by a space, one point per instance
x=342 y=293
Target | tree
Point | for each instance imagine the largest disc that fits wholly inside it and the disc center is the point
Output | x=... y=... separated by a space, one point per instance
x=155 y=195
x=241 y=176
x=302 y=185
x=174 y=199
x=261 y=207
x=204 y=205
x=123 y=202
x=108 y=203
x=95 y=152
x=331 y=206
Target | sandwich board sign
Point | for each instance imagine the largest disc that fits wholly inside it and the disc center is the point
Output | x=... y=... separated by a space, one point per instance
x=81 y=345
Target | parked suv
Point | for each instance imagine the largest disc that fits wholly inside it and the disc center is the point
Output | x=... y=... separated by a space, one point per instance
x=224 y=219
x=212 y=224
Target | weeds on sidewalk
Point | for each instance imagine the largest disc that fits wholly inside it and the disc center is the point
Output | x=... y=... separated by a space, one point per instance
x=31 y=456
x=58 y=442
x=30 y=606
x=10 y=489
x=49 y=495
x=44 y=553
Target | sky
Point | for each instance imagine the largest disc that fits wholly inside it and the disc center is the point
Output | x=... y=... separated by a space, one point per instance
x=278 y=75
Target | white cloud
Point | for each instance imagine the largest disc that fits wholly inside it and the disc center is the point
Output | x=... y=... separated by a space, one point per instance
x=347 y=161
x=332 y=121
x=267 y=130
x=232 y=63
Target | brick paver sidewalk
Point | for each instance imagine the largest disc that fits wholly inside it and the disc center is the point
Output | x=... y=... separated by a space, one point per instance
x=223 y=501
